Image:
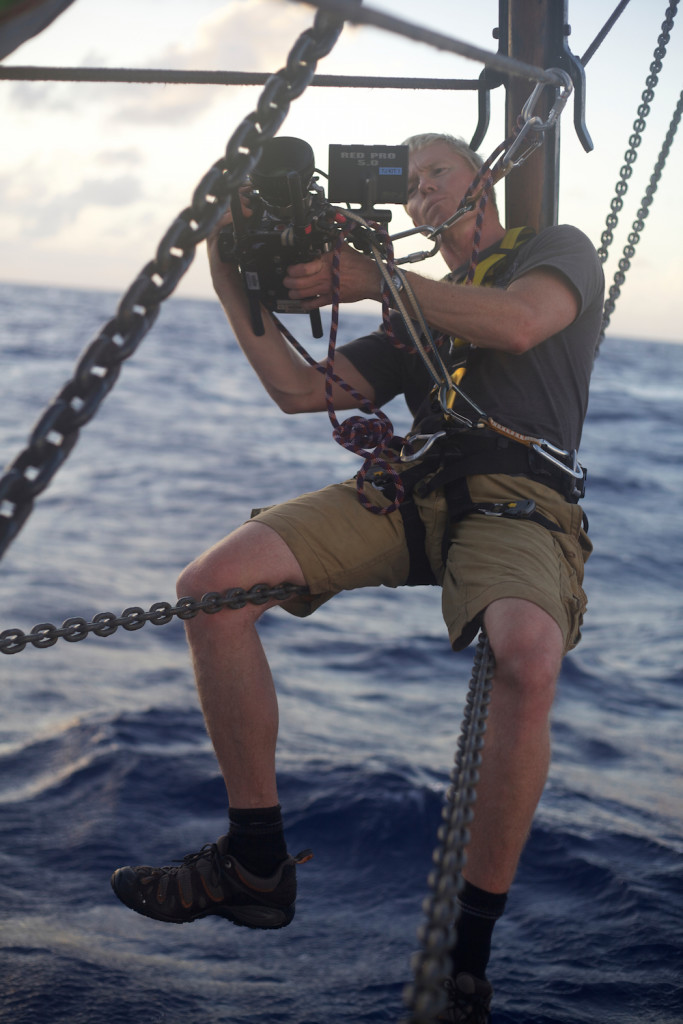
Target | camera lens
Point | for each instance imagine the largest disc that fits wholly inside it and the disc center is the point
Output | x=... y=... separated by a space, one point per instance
x=279 y=158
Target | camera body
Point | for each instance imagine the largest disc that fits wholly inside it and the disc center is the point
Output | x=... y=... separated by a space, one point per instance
x=292 y=221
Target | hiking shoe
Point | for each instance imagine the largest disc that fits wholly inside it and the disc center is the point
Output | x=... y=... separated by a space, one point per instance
x=469 y=1000
x=211 y=882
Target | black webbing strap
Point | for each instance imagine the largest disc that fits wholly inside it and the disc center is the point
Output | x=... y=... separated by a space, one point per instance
x=459 y=457
x=450 y=472
x=420 y=573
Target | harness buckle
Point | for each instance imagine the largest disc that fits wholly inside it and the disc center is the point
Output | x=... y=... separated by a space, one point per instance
x=519 y=509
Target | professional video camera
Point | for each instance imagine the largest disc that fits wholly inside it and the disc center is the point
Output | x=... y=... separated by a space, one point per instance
x=293 y=222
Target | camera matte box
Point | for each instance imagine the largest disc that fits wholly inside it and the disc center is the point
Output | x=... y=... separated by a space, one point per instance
x=368 y=174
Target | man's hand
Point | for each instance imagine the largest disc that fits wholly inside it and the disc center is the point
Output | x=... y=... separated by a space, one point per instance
x=359 y=275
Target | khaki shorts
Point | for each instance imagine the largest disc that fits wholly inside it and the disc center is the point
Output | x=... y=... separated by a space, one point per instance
x=340 y=545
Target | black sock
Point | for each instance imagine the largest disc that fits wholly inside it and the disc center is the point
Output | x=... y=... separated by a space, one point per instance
x=257 y=839
x=479 y=912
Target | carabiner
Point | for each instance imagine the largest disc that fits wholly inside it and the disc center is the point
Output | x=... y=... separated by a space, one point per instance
x=544 y=449
x=447 y=393
x=535 y=123
x=429 y=440
x=416 y=257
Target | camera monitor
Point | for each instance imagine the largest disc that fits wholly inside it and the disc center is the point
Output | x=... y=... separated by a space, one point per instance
x=368 y=174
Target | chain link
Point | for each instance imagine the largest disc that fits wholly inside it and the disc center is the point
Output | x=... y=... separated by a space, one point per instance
x=626 y=171
x=57 y=430
x=45 y=634
x=426 y=997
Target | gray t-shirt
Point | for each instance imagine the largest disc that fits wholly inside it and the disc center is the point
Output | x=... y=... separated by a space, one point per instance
x=543 y=392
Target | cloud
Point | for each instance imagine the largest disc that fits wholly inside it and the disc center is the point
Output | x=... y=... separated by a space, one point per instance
x=130 y=157
x=43 y=96
x=245 y=35
x=49 y=218
x=250 y=35
x=173 y=105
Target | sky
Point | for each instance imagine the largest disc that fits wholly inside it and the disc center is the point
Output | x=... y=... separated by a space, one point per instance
x=92 y=175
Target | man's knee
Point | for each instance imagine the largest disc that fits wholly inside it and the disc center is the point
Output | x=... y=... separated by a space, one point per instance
x=190 y=581
x=251 y=554
x=527 y=645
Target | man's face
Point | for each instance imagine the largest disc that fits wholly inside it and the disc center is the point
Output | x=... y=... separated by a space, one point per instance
x=437 y=180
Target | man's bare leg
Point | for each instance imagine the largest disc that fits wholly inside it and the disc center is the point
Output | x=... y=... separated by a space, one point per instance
x=246 y=875
x=232 y=673
x=528 y=647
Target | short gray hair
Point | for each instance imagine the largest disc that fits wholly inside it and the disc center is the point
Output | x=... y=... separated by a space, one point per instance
x=459 y=146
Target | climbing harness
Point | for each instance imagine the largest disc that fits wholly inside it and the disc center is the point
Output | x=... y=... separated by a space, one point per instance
x=445 y=460
x=458 y=446
x=626 y=171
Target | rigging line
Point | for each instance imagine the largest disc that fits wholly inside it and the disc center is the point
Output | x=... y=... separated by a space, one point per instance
x=604 y=31
x=496 y=61
x=169 y=76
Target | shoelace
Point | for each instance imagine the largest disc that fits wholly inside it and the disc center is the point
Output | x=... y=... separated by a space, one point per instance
x=209 y=850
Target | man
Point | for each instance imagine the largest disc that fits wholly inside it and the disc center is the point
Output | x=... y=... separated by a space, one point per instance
x=532 y=338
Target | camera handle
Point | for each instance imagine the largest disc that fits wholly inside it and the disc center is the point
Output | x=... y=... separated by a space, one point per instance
x=299 y=220
x=250 y=280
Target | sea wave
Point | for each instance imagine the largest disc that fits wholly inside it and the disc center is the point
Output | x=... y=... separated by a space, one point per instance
x=104 y=759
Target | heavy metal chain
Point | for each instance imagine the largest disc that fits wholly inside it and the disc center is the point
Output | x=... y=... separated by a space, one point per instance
x=426 y=997
x=643 y=211
x=57 y=430
x=626 y=171
x=45 y=634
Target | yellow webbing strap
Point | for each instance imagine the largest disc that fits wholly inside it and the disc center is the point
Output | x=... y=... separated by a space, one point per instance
x=485 y=276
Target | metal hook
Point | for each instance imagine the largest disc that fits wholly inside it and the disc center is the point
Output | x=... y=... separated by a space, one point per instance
x=533 y=123
x=429 y=440
x=415 y=257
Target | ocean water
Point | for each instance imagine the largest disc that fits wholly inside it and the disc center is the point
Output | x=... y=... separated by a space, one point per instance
x=104 y=759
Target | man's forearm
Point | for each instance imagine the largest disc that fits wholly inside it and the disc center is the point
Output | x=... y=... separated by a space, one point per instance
x=513 y=320
x=287 y=377
x=488 y=318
